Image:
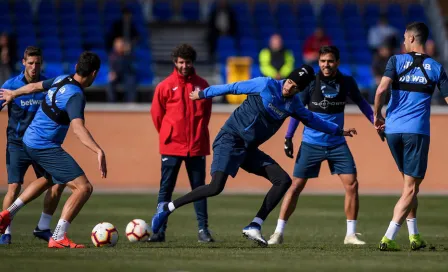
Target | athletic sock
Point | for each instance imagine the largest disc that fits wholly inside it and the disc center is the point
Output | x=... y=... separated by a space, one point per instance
x=16 y=206
x=392 y=230
x=351 y=227
x=44 y=221
x=412 y=226
x=281 y=224
x=60 y=229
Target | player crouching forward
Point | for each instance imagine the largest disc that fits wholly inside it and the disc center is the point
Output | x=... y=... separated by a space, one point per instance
x=256 y=120
x=63 y=106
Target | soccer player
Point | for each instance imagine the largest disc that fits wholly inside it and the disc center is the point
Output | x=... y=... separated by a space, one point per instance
x=183 y=133
x=413 y=77
x=21 y=112
x=63 y=107
x=257 y=119
x=325 y=97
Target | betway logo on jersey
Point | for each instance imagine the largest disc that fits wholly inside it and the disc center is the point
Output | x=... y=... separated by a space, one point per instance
x=276 y=111
x=30 y=102
x=412 y=78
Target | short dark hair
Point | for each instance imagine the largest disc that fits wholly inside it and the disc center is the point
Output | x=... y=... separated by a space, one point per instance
x=32 y=51
x=87 y=63
x=184 y=51
x=329 y=49
x=421 y=31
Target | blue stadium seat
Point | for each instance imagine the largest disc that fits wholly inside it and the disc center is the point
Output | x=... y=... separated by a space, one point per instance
x=102 y=77
x=190 y=10
x=329 y=10
x=364 y=76
x=46 y=8
x=345 y=69
x=350 y=10
x=52 y=54
x=162 y=11
x=305 y=10
x=50 y=42
x=22 y=7
x=72 y=42
x=415 y=10
x=4 y=9
x=372 y=10
x=262 y=9
x=241 y=9
x=89 y=7
x=72 y=54
x=47 y=20
x=52 y=69
x=361 y=57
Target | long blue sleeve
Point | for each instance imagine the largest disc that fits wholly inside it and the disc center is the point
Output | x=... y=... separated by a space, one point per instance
x=313 y=121
x=305 y=97
x=255 y=85
x=355 y=96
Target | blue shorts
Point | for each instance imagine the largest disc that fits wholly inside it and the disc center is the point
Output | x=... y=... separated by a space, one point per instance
x=230 y=153
x=56 y=162
x=310 y=158
x=17 y=163
x=410 y=152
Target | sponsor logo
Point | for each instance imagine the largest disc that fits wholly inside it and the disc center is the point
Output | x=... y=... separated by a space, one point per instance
x=164 y=159
x=275 y=110
x=324 y=104
x=30 y=102
x=175 y=88
x=412 y=78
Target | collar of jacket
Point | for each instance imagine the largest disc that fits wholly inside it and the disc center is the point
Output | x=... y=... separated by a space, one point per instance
x=183 y=79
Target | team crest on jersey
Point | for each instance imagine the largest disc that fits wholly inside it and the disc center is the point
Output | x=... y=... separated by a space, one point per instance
x=329 y=91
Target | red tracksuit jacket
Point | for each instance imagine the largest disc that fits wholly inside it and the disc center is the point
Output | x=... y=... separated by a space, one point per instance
x=181 y=122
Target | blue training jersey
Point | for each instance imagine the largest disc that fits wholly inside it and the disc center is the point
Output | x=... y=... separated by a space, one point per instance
x=330 y=88
x=409 y=111
x=263 y=112
x=21 y=110
x=45 y=133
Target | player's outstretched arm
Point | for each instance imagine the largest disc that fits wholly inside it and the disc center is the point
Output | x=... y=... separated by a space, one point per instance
x=313 y=121
x=255 y=85
x=86 y=139
x=9 y=95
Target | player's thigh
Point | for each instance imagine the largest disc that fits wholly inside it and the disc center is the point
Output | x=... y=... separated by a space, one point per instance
x=229 y=152
x=57 y=163
x=340 y=160
x=17 y=163
x=415 y=154
x=396 y=147
x=308 y=161
x=256 y=162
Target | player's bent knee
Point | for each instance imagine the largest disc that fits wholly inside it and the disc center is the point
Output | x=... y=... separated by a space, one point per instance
x=215 y=189
x=352 y=187
x=14 y=188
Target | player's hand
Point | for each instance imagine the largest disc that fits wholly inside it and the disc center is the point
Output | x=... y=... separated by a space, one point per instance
x=194 y=95
x=102 y=164
x=6 y=95
x=379 y=124
x=349 y=132
x=289 y=148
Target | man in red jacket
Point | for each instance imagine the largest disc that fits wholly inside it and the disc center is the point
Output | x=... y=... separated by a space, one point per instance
x=183 y=133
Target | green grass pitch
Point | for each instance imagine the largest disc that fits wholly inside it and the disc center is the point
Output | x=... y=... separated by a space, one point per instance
x=313 y=240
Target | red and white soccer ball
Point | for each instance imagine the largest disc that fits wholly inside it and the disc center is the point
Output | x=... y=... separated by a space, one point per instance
x=104 y=235
x=137 y=230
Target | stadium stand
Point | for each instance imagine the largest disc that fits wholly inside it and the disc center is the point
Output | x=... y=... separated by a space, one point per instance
x=83 y=25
